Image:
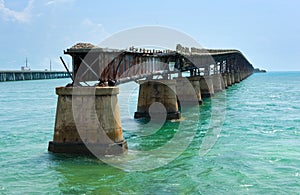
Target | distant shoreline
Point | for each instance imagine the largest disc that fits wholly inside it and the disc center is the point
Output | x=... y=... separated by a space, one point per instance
x=257 y=70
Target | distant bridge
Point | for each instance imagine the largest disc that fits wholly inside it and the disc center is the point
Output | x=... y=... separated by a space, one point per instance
x=18 y=75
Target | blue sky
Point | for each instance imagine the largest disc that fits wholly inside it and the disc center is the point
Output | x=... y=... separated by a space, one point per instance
x=266 y=31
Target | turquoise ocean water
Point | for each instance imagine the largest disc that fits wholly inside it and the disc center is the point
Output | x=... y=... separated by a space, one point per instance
x=256 y=150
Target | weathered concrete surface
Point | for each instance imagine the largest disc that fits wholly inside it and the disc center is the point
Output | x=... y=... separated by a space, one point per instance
x=188 y=90
x=228 y=76
x=242 y=76
x=237 y=77
x=195 y=81
x=88 y=121
x=157 y=92
x=224 y=77
x=206 y=86
x=232 y=78
x=217 y=83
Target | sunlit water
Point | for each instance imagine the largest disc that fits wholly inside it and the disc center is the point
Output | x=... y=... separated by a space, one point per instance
x=244 y=141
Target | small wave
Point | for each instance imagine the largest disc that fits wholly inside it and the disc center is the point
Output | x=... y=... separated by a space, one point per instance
x=246 y=185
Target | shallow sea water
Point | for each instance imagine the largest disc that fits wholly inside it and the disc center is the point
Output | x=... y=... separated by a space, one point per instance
x=245 y=140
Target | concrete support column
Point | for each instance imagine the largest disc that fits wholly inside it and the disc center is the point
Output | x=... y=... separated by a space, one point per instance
x=157 y=98
x=195 y=81
x=206 y=86
x=228 y=77
x=88 y=122
x=242 y=76
x=237 y=77
x=224 y=76
x=217 y=83
x=188 y=90
x=232 y=78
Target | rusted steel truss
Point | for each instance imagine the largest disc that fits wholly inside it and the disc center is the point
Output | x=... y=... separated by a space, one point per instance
x=122 y=66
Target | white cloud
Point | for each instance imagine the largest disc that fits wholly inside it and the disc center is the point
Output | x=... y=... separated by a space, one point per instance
x=49 y=2
x=53 y=2
x=22 y=16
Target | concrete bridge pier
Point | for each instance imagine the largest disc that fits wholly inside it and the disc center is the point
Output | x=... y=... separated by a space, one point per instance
x=157 y=98
x=195 y=81
x=247 y=74
x=243 y=75
x=237 y=77
x=206 y=86
x=88 y=122
x=188 y=90
x=224 y=77
x=229 y=82
x=218 y=84
x=232 y=78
